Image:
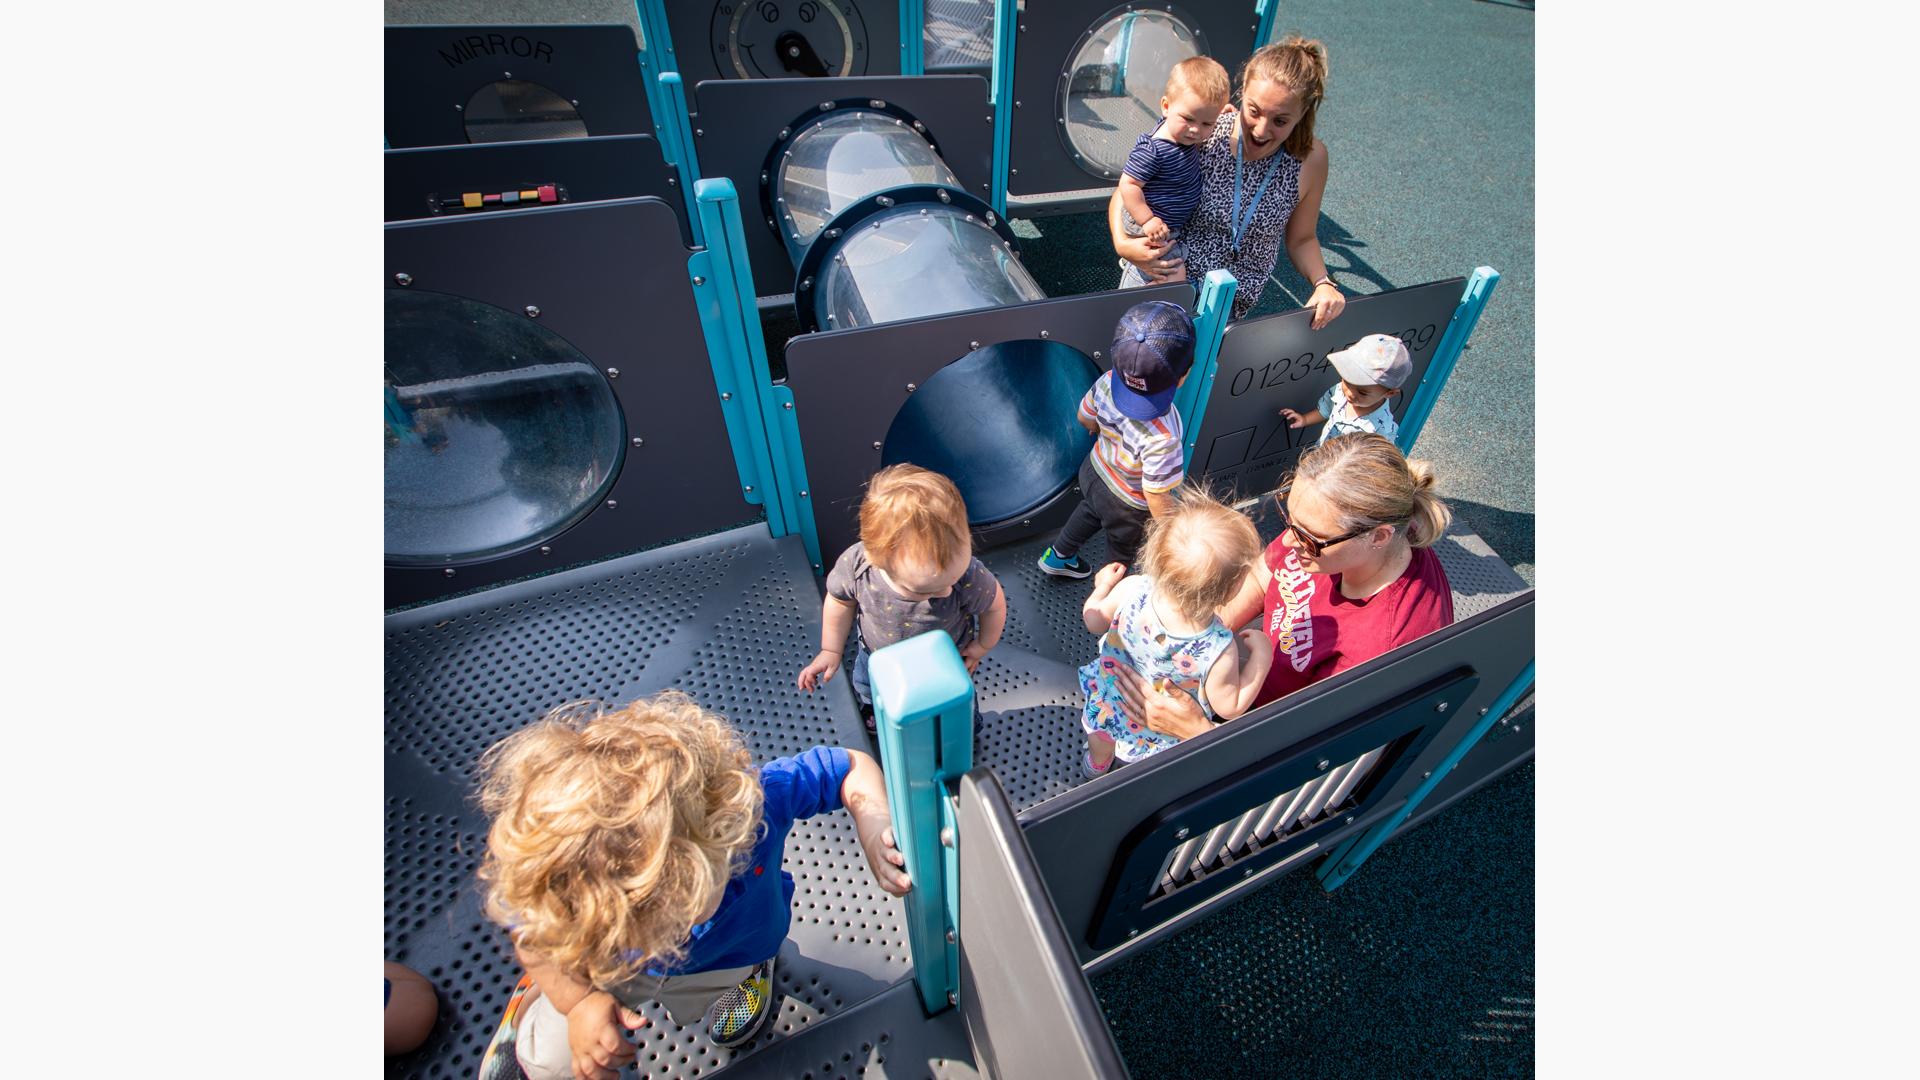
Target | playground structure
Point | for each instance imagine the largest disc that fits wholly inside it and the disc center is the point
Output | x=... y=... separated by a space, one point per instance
x=577 y=382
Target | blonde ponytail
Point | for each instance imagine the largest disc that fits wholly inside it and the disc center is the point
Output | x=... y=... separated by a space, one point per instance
x=1370 y=482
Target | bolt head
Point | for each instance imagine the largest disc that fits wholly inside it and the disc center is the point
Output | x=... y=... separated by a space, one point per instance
x=952 y=937
x=911 y=387
x=786 y=404
x=699 y=133
x=946 y=837
x=1323 y=764
x=803 y=493
x=533 y=311
x=825 y=105
x=638 y=441
x=613 y=373
x=1442 y=707
x=749 y=489
x=973 y=345
x=953 y=998
x=876 y=103
x=784 y=132
x=1181 y=835
x=612 y=505
x=1349 y=819
x=698 y=280
x=1133 y=931
x=403 y=279
x=1096 y=354
x=1044 y=335
x=876 y=444
x=726 y=396
x=545 y=550
x=449 y=571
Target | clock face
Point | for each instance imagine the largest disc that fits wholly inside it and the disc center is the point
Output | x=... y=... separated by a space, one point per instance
x=787 y=39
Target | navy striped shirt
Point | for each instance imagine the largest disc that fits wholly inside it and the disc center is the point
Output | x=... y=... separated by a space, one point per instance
x=1169 y=176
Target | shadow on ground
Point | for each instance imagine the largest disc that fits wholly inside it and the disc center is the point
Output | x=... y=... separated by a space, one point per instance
x=1386 y=977
x=1508 y=532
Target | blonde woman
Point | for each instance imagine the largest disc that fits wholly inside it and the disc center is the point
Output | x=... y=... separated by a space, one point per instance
x=634 y=856
x=1352 y=575
x=1263 y=173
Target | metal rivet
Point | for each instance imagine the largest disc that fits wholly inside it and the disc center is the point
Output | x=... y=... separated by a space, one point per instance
x=449 y=571
x=953 y=998
x=1323 y=764
x=1096 y=354
x=1428 y=775
x=876 y=446
x=1248 y=872
x=698 y=280
x=1027 y=521
x=944 y=197
x=826 y=105
x=1181 y=835
x=403 y=279
x=974 y=344
x=1349 y=819
x=671 y=182
x=727 y=396
x=506 y=74
x=918 y=126
x=803 y=494
x=876 y=103
x=1044 y=335
x=1133 y=932
x=612 y=505
x=638 y=441
x=463 y=108
x=952 y=937
x=833 y=234
x=699 y=133
x=575 y=102
x=763 y=178
x=786 y=404
x=991 y=220
x=545 y=550
x=784 y=132
x=946 y=837
x=1442 y=707
x=805 y=284
x=749 y=489
x=1483 y=712
x=911 y=387
x=613 y=373
x=533 y=311
x=883 y=200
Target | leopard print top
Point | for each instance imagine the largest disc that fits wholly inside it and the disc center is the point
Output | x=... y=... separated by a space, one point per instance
x=1208 y=235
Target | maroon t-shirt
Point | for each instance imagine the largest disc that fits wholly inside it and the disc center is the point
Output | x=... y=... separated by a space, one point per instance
x=1316 y=631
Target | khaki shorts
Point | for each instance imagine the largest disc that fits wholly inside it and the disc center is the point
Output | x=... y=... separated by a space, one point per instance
x=542 y=1040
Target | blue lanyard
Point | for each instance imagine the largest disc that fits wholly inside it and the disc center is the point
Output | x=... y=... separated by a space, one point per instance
x=1235 y=222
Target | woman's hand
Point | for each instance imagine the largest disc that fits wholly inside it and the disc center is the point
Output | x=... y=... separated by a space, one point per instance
x=1145 y=254
x=1327 y=303
x=1169 y=714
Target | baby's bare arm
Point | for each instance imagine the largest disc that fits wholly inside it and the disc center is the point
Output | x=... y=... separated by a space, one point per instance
x=1097 y=613
x=1134 y=198
x=1235 y=679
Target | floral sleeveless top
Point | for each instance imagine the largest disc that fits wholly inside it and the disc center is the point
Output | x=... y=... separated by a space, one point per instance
x=1139 y=640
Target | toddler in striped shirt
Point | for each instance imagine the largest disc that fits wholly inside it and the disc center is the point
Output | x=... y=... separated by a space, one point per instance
x=1161 y=183
x=1139 y=452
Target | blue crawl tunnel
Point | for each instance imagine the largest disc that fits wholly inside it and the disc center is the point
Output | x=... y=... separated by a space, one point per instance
x=499 y=433
x=1000 y=422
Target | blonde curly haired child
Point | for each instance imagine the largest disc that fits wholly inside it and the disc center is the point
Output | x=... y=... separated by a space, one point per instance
x=634 y=856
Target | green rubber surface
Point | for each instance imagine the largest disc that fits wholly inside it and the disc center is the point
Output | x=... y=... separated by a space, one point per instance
x=1420 y=965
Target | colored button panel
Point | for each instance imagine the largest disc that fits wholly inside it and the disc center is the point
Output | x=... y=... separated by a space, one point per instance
x=470 y=200
x=548 y=194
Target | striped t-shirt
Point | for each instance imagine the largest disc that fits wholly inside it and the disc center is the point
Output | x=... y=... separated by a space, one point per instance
x=1169 y=177
x=1132 y=455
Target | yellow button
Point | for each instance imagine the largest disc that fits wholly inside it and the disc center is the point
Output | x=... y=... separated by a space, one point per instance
x=530 y=195
x=470 y=200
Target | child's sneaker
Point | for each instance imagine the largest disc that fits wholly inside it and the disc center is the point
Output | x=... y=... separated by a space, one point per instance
x=866 y=717
x=743 y=1010
x=1092 y=771
x=1075 y=567
x=500 y=1062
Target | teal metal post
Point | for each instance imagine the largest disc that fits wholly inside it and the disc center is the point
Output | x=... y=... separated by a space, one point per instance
x=676 y=144
x=723 y=292
x=656 y=59
x=923 y=707
x=913 y=37
x=1266 y=9
x=1210 y=317
x=796 y=497
x=1466 y=315
x=1006 y=28
x=1346 y=858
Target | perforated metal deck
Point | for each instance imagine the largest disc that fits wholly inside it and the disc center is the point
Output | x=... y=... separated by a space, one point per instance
x=729 y=619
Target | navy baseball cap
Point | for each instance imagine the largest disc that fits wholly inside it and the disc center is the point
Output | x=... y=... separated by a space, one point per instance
x=1152 y=351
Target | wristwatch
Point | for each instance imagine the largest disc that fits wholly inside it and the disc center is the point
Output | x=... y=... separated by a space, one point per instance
x=1326 y=279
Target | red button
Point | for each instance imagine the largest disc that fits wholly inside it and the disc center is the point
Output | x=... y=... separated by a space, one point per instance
x=548 y=194
x=492 y=198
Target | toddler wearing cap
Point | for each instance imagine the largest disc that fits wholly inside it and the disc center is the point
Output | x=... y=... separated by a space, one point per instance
x=1372 y=371
x=1139 y=453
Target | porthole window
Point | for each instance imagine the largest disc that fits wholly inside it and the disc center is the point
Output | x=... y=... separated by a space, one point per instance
x=1110 y=91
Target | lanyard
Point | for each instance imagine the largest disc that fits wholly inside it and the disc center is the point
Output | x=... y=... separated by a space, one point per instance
x=1236 y=223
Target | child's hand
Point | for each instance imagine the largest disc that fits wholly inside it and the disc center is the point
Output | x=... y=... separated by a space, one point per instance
x=820 y=672
x=1292 y=418
x=1155 y=230
x=1108 y=577
x=972 y=655
x=883 y=858
x=596 y=1035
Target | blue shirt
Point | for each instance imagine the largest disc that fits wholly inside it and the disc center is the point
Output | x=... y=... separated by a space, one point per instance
x=1169 y=176
x=757 y=907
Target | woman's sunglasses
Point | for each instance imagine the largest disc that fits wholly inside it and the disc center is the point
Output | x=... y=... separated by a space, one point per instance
x=1310 y=543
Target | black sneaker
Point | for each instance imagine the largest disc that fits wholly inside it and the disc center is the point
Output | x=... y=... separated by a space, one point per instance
x=1075 y=567
x=866 y=717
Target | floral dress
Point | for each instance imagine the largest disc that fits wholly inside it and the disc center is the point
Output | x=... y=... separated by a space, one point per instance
x=1139 y=640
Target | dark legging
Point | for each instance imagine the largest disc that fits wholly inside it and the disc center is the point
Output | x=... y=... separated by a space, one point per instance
x=1100 y=509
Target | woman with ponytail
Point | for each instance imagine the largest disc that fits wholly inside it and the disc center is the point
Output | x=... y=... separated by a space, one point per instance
x=1350 y=577
x=1264 y=173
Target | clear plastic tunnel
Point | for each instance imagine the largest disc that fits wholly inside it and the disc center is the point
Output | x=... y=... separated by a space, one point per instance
x=842 y=158
x=915 y=261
